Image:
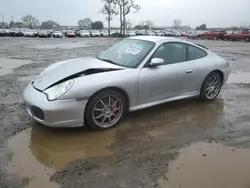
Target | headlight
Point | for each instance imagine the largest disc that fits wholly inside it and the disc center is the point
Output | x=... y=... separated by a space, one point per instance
x=58 y=90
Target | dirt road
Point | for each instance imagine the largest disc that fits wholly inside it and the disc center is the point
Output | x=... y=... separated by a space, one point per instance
x=188 y=143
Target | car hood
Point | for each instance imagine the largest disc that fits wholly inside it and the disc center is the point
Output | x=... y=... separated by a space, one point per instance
x=64 y=69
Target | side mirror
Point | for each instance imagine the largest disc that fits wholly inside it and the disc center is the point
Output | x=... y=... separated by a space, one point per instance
x=156 y=62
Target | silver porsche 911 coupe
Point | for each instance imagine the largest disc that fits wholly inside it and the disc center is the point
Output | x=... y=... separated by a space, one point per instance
x=137 y=72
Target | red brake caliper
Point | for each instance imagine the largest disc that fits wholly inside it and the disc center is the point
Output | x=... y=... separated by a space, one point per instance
x=115 y=106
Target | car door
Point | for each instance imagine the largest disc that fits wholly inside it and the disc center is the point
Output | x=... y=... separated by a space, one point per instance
x=168 y=80
x=198 y=63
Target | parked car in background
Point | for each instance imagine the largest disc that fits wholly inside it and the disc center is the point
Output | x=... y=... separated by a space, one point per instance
x=15 y=32
x=159 y=33
x=184 y=34
x=116 y=34
x=150 y=33
x=130 y=33
x=168 y=33
x=57 y=34
x=6 y=32
x=84 y=33
x=1 y=32
x=82 y=91
x=140 y=32
x=214 y=35
x=104 y=33
x=176 y=33
x=70 y=33
x=95 y=33
x=194 y=35
x=35 y=33
x=28 y=33
x=44 y=33
x=240 y=35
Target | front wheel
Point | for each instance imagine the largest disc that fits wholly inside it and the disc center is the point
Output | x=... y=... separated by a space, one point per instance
x=211 y=86
x=247 y=39
x=105 y=109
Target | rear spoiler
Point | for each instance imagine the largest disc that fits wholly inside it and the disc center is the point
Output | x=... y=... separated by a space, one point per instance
x=202 y=46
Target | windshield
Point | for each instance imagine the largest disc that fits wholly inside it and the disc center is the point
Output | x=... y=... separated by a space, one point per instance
x=127 y=53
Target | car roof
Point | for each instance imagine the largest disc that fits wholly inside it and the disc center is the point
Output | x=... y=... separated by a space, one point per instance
x=156 y=38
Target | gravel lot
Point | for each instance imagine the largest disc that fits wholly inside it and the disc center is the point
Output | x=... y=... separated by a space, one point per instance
x=188 y=143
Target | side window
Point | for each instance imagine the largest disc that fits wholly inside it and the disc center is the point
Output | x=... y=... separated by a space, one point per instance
x=195 y=53
x=171 y=53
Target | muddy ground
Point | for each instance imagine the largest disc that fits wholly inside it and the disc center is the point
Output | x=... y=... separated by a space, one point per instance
x=188 y=143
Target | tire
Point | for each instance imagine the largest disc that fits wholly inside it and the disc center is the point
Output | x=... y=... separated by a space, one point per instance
x=205 y=85
x=247 y=39
x=95 y=101
x=215 y=38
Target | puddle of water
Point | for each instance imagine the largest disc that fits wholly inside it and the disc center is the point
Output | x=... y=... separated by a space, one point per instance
x=40 y=151
x=27 y=78
x=191 y=113
x=9 y=64
x=238 y=78
x=25 y=165
x=56 y=148
x=209 y=165
x=63 y=46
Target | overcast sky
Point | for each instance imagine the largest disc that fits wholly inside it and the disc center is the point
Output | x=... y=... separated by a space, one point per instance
x=162 y=12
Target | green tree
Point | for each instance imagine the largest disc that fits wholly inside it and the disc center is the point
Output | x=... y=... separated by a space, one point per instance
x=98 y=25
x=202 y=27
x=86 y=23
x=17 y=24
x=50 y=24
x=30 y=21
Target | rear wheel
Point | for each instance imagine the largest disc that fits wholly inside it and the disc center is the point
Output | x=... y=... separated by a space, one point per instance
x=211 y=86
x=105 y=109
x=247 y=39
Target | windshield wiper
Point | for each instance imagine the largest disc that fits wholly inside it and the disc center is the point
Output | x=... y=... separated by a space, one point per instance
x=108 y=60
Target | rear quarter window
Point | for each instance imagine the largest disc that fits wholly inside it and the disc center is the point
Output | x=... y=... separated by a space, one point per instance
x=195 y=53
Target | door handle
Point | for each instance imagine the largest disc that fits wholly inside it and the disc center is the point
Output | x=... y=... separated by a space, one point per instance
x=189 y=71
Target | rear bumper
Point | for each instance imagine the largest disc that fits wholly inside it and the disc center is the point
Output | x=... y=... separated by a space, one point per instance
x=59 y=113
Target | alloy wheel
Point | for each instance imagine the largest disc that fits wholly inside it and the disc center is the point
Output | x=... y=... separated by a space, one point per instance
x=107 y=111
x=212 y=87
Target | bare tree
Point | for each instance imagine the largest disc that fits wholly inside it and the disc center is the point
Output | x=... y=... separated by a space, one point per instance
x=177 y=23
x=146 y=24
x=109 y=9
x=149 y=23
x=86 y=23
x=30 y=21
x=128 y=24
x=125 y=7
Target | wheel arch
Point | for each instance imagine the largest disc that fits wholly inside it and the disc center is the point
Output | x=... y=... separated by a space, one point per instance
x=217 y=71
x=220 y=73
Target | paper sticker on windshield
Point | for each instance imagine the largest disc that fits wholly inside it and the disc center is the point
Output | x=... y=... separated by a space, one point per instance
x=134 y=50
